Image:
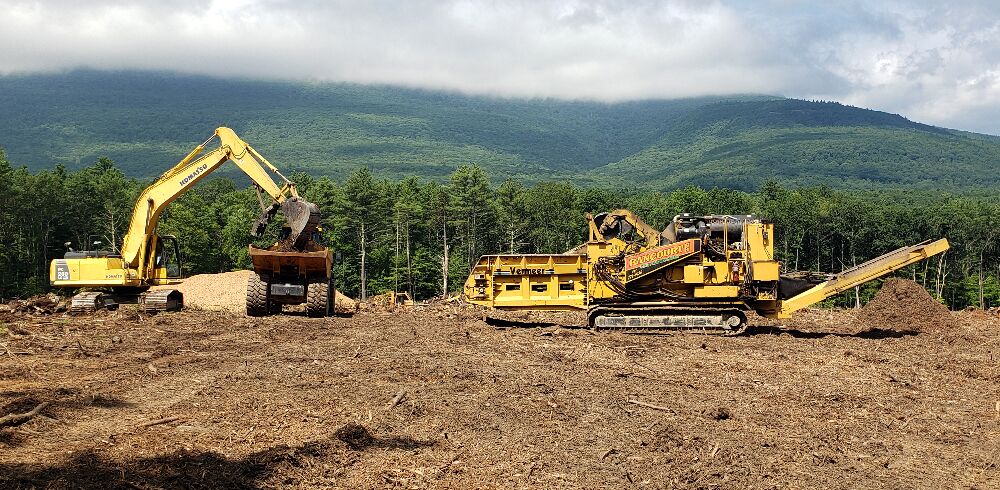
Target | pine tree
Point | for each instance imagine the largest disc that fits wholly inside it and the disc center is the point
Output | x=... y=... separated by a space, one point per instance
x=361 y=201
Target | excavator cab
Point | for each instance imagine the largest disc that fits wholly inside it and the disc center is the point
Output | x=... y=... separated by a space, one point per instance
x=168 y=257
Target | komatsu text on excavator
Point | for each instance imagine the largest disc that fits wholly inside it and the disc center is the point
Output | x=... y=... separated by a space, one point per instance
x=701 y=273
x=146 y=259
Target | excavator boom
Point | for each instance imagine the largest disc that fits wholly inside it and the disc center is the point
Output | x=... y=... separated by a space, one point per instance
x=302 y=216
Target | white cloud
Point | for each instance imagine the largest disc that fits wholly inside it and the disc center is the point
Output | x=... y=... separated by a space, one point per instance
x=933 y=62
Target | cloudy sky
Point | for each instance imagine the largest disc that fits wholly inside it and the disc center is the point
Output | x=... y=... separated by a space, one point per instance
x=933 y=61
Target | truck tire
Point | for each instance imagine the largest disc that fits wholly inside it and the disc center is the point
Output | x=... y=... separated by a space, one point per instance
x=317 y=298
x=331 y=298
x=257 y=296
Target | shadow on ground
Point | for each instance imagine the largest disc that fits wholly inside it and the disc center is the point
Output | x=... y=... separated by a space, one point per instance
x=61 y=402
x=503 y=323
x=184 y=469
x=870 y=334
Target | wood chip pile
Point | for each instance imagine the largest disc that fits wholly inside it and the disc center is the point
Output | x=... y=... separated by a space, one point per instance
x=903 y=305
x=227 y=292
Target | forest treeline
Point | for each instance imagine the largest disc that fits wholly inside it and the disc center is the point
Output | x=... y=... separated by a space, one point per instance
x=404 y=234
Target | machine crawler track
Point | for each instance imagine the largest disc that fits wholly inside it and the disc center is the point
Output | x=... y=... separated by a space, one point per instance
x=86 y=303
x=711 y=321
x=161 y=300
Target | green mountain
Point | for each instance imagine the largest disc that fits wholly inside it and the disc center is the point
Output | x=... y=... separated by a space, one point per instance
x=146 y=121
x=743 y=144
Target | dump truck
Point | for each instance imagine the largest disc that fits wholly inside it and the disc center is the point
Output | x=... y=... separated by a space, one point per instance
x=107 y=278
x=286 y=276
x=702 y=273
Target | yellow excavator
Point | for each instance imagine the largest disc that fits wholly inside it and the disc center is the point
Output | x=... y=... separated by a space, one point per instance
x=702 y=273
x=147 y=259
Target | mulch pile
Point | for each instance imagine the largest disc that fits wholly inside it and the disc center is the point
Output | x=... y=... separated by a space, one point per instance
x=903 y=305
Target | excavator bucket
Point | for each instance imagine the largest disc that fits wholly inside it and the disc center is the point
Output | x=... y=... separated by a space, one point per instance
x=302 y=218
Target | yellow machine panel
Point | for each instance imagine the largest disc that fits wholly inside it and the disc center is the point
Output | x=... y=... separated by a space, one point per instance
x=766 y=271
x=694 y=274
x=529 y=281
x=101 y=270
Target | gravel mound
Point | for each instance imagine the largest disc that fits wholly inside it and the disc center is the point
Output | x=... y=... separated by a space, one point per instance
x=903 y=305
x=227 y=292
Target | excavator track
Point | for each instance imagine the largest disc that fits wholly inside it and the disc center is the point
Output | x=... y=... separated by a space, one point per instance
x=86 y=303
x=161 y=300
x=663 y=320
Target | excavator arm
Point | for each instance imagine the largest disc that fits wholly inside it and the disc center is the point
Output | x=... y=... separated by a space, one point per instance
x=302 y=216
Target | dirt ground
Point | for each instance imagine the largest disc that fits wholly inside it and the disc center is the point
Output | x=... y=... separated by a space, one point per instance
x=434 y=397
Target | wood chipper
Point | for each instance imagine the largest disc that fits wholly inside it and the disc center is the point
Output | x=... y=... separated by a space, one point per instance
x=702 y=273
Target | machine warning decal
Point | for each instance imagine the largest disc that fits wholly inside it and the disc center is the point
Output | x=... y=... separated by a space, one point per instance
x=62 y=270
x=644 y=263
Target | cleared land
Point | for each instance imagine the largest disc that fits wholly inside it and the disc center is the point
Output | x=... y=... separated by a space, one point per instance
x=436 y=397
